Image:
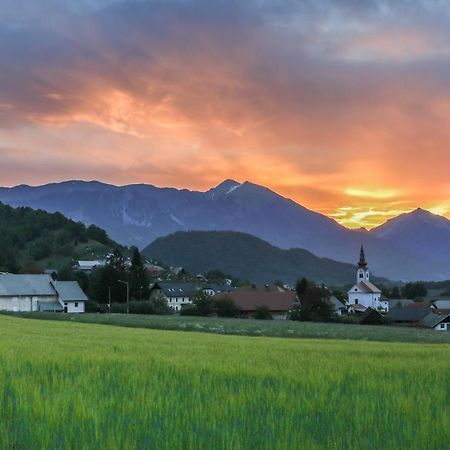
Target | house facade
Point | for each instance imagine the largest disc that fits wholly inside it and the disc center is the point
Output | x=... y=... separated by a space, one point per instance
x=33 y=293
x=365 y=293
x=177 y=295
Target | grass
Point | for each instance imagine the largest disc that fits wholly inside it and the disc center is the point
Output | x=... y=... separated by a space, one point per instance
x=79 y=386
x=245 y=327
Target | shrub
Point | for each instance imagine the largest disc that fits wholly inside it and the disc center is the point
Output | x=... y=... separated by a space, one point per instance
x=262 y=313
x=145 y=307
x=225 y=307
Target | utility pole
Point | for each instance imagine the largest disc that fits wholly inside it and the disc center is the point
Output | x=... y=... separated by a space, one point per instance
x=128 y=294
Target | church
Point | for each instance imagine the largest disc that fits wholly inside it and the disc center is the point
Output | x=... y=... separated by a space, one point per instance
x=364 y=293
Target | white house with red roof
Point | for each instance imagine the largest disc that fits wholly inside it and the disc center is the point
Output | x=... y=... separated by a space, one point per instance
x=365 y=294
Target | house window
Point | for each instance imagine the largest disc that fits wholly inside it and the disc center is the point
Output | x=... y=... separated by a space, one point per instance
x=65 y=304
x=442 y=326
x=76 y=305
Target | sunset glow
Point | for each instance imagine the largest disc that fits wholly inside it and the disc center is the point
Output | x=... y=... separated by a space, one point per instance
x=342 y=106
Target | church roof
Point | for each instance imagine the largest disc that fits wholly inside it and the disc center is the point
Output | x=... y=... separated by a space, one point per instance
x=367 y=287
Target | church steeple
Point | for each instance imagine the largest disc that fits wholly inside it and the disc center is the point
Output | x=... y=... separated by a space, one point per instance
x=362 y=264
x=363 y=271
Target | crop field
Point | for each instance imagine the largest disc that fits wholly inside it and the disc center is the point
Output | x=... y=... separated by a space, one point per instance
x=88 y=386
x=246 y=327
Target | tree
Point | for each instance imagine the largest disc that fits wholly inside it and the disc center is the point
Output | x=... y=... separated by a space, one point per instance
x=414 y=290
x=262 y=313
x=395 y=292
x=301 y=287
x=97 y=234
x=105 y=280
x=138 y=277
x=314 y=305
x=203 y=304
x=225 y=307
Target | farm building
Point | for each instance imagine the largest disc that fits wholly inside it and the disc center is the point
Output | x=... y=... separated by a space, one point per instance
x=278 y=302
x=40 y=293
x=438 y=320
x=411 y=314
x=88 y=266
x=176 y=294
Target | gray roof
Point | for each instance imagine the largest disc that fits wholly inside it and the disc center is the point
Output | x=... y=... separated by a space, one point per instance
x=433 y=319
x=220 y=287
x=177 y=289
x=25 y=285
x=337 y=304
x=442 y=304
x=409 y=313
x=399 y=302
x=69 y=291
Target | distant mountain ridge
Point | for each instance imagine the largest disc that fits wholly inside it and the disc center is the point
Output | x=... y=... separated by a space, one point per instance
x=138 y=214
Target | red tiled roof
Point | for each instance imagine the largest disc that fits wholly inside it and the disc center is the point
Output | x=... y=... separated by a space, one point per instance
x=248 y=301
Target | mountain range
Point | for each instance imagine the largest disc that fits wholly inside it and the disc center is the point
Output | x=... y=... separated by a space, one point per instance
x=411 y=246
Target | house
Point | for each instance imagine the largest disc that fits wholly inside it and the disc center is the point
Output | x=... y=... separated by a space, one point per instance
x=338 y=307
x=70 y=296
x=153 y=269
x=441 y=304
x=215 y=288
x=364 y=292
x=176 y=294
x=40 y=293
x=88 y=266
x=437 y=320
x=278 y=302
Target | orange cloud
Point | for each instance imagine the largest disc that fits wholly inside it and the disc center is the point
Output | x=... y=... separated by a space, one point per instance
x=157 y=93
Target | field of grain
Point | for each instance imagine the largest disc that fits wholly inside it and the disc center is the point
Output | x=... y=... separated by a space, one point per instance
x=73 y=385
x=251 y=327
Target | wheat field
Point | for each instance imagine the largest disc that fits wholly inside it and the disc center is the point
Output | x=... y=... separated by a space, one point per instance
x=86 y=386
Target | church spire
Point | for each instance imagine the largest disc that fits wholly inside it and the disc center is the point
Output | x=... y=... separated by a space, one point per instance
x=362 y=264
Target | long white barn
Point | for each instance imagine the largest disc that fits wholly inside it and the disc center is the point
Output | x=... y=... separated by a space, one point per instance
x=29 y=293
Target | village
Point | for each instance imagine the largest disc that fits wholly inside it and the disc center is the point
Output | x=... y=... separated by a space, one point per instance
x=362 y=304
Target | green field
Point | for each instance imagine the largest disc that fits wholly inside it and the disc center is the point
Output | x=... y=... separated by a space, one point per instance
x=246 y=327
x=87 y=386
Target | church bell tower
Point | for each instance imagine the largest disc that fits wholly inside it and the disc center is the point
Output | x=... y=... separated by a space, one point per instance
x=363 y=271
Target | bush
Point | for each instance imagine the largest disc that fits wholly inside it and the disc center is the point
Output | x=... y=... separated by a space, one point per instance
x=92 y=307
x=145 y=307
x=348 y=318
x=262 y=313
x=188 y=310
x=225 y=307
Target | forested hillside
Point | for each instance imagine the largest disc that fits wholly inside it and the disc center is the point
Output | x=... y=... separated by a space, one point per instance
x=31 y=241
x=247 y=257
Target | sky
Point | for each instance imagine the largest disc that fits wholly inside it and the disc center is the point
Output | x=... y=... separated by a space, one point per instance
x=343 y=106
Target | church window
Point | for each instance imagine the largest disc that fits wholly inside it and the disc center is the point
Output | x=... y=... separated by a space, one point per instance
x=361 y=275
x=356 y=301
